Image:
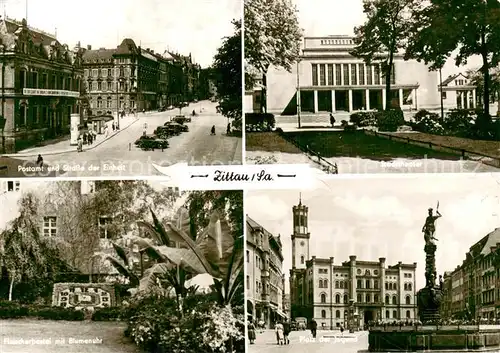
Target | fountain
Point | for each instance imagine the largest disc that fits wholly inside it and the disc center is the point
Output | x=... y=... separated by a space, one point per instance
x=430 y=334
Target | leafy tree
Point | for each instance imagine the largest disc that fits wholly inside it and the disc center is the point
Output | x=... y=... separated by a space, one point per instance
x=383 y=35
x=477 y=79
x=272 y=38
x=226 y=70
x=27 y=256
x=467 y=27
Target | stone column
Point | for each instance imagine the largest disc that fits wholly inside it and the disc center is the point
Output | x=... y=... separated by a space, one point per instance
x=365 y=74
x=333 y=101
x=473 y=98
x=414 y=98
x=352 y=274
x=367 y=99
x=315 y=101
x=400 y=96
x=463 y=98
x=383 y=98
x=342 y=75
x=334 y=74
x=350 y=100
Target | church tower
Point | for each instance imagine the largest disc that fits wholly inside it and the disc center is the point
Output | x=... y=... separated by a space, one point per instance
x=300 y=236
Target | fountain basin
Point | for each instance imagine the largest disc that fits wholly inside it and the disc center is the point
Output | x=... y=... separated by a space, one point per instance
x=450 y=338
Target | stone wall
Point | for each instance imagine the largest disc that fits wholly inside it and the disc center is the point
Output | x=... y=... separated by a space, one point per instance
x=83 y=295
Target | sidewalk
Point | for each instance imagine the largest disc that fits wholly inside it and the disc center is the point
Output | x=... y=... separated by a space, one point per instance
x=65 y=147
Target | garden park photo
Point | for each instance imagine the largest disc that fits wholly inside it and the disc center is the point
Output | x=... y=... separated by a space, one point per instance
x=128 y=266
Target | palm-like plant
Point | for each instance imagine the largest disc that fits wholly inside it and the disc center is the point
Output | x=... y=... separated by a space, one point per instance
x=123 y=264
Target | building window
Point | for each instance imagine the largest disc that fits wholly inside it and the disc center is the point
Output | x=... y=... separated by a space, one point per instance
x=104 y=223
x=387 y=299
x=346 y=75
x=361 y=68
x=50 y=226
x=408 y=300
x=99 y=102
x=387 y=314
x=338 y=75
x=11 y=186
x=369 y=80
x=368 y=298
x=443 y=94
x=22 y=79
x=375 y=284
x=323 y=298
x=325 y=283
x=323 y=314
x=337 y=284
x=257 y=286
x=337 y=299
x=337 y=314
x=99 y=86
x=375 y=298
x=359 y=284
x=376 y=74
x=35 y=82
x=367 y=283
x=394 y=300
x=302 y=260
x=320 y=283
x=94 y=73
x=394 y=314
x=109 y=102
x=248 y=256
x=408 y=314
x=314 y=74
x=341 y=284
x=360 y=298
x=248 y=282
x=322 y=75
x=394 y=286
x=354 y=75
x=346 y=299
x=330 y=75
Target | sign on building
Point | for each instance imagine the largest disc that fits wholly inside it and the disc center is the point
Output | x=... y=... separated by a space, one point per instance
x=50 y=92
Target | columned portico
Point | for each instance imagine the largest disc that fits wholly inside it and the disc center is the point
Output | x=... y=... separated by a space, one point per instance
x=367 y=99
x=473 y=98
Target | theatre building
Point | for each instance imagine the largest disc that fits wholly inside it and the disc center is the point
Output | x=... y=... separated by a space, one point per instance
x=40 y=85
x=330 y=79
x=349 y=294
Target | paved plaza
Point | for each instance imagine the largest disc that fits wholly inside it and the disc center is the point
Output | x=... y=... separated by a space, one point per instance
x=118 y=156
x=302 y=341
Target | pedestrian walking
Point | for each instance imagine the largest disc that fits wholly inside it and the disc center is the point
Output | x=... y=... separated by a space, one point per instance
x=314 y=327
x=251 y=332
x=286 y=330
x=262 y=324
x=228 y=129
x=84 y=138
x=90 y=137
x=106 y=131
x=113 y=125
x=280 y=336
x=79 y=144
x=341 y=330
x=39 y=161
x=332 y=120
x=212 y=131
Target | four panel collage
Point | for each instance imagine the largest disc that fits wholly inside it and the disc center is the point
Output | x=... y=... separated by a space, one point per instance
x=261 y=176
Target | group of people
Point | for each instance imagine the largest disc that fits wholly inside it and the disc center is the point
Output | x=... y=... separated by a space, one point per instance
x=88 y=137
x=283 y=329
x=228 y=129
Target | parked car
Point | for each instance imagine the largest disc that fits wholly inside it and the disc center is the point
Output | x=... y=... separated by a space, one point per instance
x=176 y=127
x=149 y=142
x=181 y=119
x=293 y=326
x=301 y=323
x=162 y=109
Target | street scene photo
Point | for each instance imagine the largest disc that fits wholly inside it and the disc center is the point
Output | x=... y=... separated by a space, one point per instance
x=373 y=86
x=379 y=266
x=120 y=266
x=119 y=88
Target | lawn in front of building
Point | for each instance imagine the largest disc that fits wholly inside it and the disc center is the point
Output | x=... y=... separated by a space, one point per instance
x=358 y=144
x=64 y=337
x=268 y=142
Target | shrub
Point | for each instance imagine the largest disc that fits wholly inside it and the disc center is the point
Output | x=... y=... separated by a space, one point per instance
x=390 y=120
x=421 y=114
x=350 y=128
x=430 y=123
x=107 y=314
x=344 y=123
x=459 y=122
x=257 y=122
x=157 y=325
x=14 y=310
x=363 y=119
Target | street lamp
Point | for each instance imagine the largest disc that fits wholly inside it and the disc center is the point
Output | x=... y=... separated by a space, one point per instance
x=298 y=92
x=441 y=92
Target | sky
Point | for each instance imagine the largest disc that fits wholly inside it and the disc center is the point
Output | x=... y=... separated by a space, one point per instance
x=330 y=17
x=383 y=217
x=183 y=26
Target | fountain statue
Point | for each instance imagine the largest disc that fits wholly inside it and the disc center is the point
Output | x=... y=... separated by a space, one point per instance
x=430 y=297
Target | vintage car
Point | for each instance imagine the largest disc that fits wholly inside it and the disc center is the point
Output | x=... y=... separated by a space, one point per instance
x=181 y=119
x=149 y=142
x=176 y=126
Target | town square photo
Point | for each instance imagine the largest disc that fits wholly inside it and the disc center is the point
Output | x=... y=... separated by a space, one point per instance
x=341 y=267
x=119 y=86
x=373 y=86
x=120 y=266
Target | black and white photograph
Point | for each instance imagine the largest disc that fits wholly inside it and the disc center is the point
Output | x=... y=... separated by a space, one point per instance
x=110 y=88
x=379 y=264
x=373 y=86
x=128 y=266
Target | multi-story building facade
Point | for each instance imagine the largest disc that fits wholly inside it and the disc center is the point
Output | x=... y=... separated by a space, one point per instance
x=328 y=78
x=327 y=292
x=264 y=278
x=472 y=289
x=458 y=92
x=40 y=85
